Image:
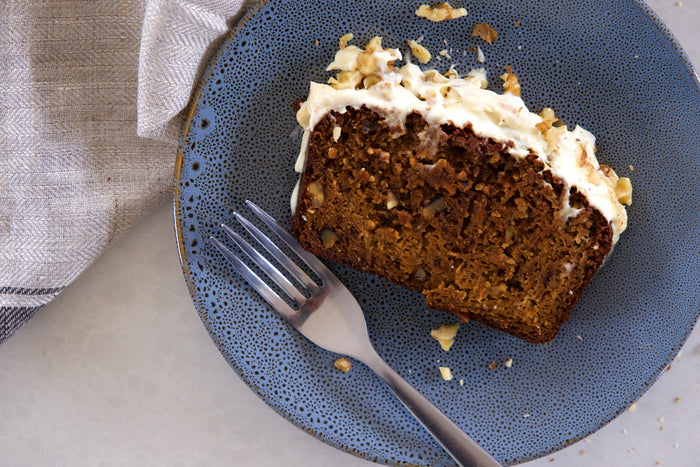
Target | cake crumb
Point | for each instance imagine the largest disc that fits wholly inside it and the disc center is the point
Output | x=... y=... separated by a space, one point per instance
x=493 y=365
x=421 y=53
x=526 y=415
x=480 y=55
x=316 y=42
x=461 y=382
x=679 y=3
x=676 y=400
x=581 y=452
x=631 y=168
x=509 y=363
x=485 y=32
x=624 y=431
x=441 y=12
x=632 y=407
x=446 y=373
x=343 y=364
x=579 y=337
x=661 y=419
x=517 y=23
x=631 y=450
x=445 y=335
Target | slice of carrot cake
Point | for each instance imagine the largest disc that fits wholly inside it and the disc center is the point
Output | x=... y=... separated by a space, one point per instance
x=431 y=181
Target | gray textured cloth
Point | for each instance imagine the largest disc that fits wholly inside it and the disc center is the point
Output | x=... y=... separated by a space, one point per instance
x=80 y=79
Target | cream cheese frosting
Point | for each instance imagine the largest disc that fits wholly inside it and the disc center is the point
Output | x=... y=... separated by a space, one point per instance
x=370 y=77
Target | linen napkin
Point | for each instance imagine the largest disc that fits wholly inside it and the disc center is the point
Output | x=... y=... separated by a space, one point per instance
x=91 y=103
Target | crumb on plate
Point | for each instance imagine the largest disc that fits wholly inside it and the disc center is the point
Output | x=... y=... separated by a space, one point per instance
x=343 y=364
x=445 y=335
x=446 y=373
x=485 y=32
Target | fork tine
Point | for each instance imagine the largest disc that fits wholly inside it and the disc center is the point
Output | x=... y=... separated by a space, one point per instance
x=259 y=285
x=278 y=254
x=267 y=267
x=312 y=261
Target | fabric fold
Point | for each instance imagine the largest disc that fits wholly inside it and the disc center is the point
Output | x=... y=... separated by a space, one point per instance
x=81 y=82
x=177 y=40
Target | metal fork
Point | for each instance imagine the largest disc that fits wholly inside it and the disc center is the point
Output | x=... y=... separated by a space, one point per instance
x=329 y=316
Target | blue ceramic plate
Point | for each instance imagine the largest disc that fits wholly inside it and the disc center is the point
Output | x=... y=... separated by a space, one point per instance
x=611 y=67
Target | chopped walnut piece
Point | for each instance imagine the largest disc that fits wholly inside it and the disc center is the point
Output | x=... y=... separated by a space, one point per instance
x=446 y=373
x=623 y=191
x=485 y=32
x=548 y=114
x=445 y=335
x=374 y=45
x=343 y=364
x=317 y=195
x=328 y=238
x=510 y=82
x=343 y=41
x=435 y=76
x=549 y=121
x=337 y=131
x=391 y=200
x=346 y=80
x=441 y=12
x=421 y=53
x=367 y=63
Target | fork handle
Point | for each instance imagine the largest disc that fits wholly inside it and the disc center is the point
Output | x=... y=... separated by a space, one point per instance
x=458 y=444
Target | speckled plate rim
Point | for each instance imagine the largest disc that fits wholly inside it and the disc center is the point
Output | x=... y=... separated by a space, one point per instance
x=200 y=307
